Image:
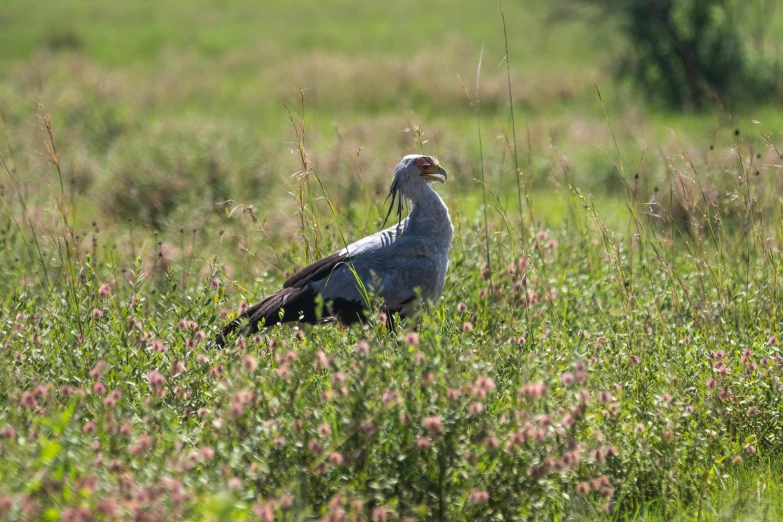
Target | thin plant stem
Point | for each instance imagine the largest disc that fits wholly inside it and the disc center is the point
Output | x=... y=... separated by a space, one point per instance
x=476 y=104
x=513 y=125
x=29 y=220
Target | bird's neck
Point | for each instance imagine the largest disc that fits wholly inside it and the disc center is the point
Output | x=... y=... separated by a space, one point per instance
x=429 y=214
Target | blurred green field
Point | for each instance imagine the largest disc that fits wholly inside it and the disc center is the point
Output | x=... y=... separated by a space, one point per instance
x=213 y=79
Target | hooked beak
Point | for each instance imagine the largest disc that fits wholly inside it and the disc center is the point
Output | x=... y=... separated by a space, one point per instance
x=438 y=175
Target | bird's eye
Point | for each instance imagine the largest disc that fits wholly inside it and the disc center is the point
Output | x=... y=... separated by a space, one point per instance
x=426 y=165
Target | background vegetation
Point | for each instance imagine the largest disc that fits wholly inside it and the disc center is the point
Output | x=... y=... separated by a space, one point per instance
x=615 y=356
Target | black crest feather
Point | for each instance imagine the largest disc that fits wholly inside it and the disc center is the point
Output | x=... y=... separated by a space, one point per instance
x=394 y=195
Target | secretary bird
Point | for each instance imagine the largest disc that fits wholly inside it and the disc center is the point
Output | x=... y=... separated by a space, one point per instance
x=393 y=264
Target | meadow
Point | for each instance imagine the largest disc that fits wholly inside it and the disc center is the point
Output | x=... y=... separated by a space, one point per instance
x=606 y=347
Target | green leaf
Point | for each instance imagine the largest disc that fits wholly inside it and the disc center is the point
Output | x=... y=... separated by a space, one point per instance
x=49 y=450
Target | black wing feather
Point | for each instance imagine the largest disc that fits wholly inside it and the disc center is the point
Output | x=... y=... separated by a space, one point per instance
x=316 y=271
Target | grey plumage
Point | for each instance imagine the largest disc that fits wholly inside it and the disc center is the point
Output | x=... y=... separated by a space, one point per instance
x=393 y=264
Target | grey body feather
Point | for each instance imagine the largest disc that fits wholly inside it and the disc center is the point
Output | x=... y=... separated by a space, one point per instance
x=395 y=262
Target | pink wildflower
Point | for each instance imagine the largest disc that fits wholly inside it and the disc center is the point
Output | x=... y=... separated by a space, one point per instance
x=482 y=386
x=324 y=429
x=433 y=425
x=321 y=359
x=249 y=363
x=236 y=409
x=492 y=443
x=315 y=446
x=598 y=456
x=544 y=420
x=178 y=369
x=379 y=514
x=207 y=453
x=265 y=512
x=76 y=514
x=106 y=507
x=156 y=379
x=478 y=497
x=474 y=408
x=286 y=501
x=534 y=390
x=389 y=396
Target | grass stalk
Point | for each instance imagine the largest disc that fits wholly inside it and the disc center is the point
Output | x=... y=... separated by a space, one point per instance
x=71 y=247
x=475 y=102
x=29 y=222
x=517 y=173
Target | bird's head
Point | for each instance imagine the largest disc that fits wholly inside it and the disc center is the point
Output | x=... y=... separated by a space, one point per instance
x=418 y=168
x=414 y=171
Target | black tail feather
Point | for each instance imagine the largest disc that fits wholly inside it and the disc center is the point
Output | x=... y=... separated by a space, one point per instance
x=291 y=305
x=287 y=305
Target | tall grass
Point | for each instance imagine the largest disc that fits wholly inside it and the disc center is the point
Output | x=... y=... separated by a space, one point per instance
x=475 y=102
x=517 y=172
x=626 y=367
x=647 y=393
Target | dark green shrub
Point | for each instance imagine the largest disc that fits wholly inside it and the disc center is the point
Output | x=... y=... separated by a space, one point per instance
x=689 y=53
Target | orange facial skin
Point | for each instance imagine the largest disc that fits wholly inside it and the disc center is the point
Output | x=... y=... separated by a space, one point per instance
x=427 y=165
